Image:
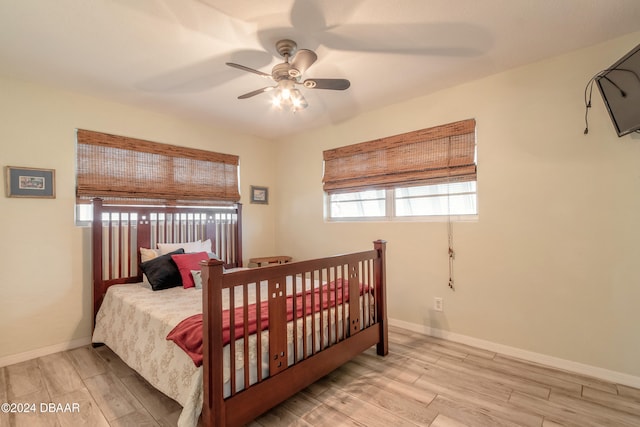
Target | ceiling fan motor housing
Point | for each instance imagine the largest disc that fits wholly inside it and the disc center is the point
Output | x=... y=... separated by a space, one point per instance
x=281 y=72
x=286 y=47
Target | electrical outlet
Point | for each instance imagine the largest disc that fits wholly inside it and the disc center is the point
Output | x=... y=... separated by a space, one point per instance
x=437 y=304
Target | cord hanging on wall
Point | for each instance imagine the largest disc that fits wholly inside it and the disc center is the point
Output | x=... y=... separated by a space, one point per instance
x=452 y=254
x=588 y=91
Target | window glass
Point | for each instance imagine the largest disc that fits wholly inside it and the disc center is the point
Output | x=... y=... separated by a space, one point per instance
x=360 y=204
x=459 y=198
x=84 y=214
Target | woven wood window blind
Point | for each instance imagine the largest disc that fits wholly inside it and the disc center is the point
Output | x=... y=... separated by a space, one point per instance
x=128 y=170
x=428 y=156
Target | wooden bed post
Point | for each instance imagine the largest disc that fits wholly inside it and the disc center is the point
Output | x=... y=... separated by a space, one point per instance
x=239 y=235
x=96 y=237
x=382 y=348
x=213 y=411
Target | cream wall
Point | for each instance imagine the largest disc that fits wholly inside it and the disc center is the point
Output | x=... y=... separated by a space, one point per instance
x=45 y=294
x=549 y=271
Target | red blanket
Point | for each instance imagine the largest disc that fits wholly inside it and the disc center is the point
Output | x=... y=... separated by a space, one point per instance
x=188 y=333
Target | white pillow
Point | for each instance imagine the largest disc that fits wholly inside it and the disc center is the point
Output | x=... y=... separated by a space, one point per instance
x=206 y=246
x=197 y=278
x=147 y=254
x=188 y=247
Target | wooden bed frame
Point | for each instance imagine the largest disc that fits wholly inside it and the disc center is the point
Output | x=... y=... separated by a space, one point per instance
x=119 y=231
x=342 y=332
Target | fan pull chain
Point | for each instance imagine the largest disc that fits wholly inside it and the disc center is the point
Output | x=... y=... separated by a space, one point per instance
x=452 y=256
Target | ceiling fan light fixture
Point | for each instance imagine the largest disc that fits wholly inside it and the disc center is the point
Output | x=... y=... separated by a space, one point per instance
x=288 y=97
x=298 y=101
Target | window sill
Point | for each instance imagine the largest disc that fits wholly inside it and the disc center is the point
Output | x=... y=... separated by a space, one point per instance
x=434 y=218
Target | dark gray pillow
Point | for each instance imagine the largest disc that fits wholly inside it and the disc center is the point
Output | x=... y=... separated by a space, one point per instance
x=162 y=272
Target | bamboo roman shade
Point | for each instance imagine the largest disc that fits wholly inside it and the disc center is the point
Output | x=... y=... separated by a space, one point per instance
x=129 y=170
x=428 y=156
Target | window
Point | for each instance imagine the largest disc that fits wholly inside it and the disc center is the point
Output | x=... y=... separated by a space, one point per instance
x=132 y=171
x=425 y=173
x=358 y=204
x=457 y=198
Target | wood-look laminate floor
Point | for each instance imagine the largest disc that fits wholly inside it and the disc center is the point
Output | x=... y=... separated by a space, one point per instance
x=423 y=381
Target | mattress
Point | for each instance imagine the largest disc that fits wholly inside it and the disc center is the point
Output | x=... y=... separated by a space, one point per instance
x=134 y=322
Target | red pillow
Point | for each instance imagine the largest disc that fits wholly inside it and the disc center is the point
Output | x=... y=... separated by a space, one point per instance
x=188 y=262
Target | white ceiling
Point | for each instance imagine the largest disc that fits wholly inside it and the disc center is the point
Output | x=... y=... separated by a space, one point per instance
x=169 y=55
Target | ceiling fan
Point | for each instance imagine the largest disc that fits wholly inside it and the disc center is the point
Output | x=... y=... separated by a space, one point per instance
x=288 y=75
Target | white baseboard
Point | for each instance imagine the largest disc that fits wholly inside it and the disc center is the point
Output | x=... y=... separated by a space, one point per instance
x=555 y=362
x=43 y=351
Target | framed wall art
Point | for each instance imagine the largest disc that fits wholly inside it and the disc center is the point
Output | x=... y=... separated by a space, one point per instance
x=30 y=182
x=259 y=195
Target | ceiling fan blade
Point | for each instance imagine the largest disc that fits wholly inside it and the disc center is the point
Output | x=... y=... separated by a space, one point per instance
x=333 y=84
x=451 y=39
x=256 y=92
x=301 y=62
x=251 y=70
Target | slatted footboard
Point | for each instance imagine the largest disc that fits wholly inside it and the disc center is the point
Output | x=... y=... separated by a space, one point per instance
x=290 y=325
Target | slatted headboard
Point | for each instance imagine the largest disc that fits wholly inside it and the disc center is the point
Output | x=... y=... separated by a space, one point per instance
x=119 y=231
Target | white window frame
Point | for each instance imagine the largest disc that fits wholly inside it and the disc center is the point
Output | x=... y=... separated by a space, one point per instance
x=390 y=211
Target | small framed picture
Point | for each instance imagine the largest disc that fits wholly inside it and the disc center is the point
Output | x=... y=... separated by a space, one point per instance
x=259 y=195
x=30 y=182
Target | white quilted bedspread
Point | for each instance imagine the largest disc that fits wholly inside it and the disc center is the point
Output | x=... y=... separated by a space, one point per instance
x=134 y=322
